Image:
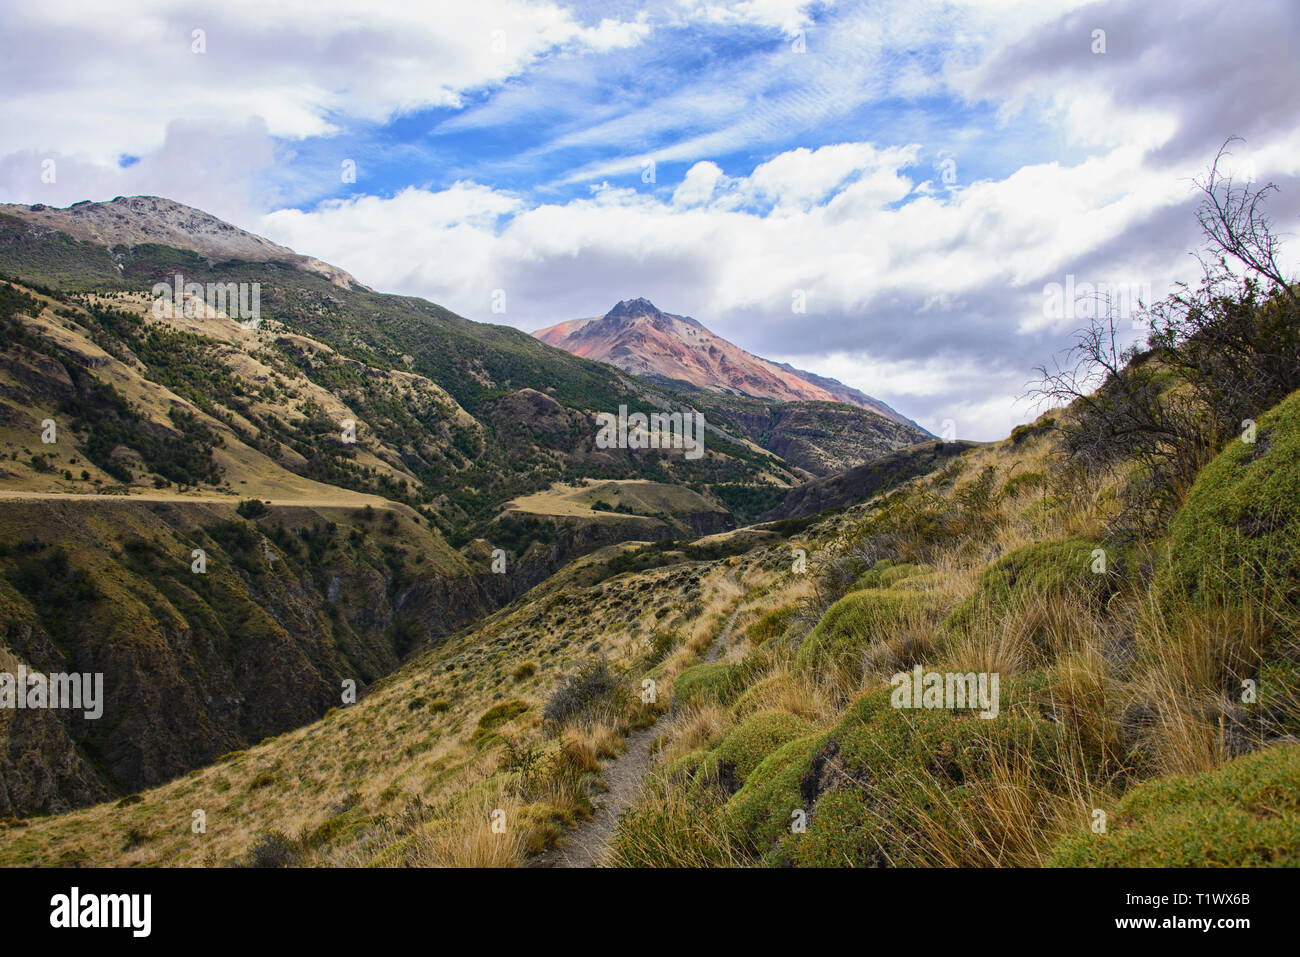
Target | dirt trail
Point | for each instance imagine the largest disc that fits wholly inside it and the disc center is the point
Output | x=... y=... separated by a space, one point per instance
x=344 y=499
x=624 y=776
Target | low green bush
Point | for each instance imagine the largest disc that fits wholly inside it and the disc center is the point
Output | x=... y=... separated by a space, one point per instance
x=714 y=681
x=1245 y=814
x=852 y=624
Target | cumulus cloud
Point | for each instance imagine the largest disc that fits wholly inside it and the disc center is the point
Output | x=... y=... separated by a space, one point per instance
x=216 y=167
x=698 y=184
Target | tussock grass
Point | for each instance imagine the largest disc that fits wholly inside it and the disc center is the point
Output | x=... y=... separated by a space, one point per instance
x=1104 y=687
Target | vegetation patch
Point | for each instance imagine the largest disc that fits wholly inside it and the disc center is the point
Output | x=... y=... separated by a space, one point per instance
x=1245 y=814
x=754 y=739
x=851 y=625
x=494 y=718
x=1035 y=572
x=901 y=787
x=713 y=681
x=1238 y=533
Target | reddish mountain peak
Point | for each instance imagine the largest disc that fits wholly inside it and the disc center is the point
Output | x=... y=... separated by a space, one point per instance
x=633 y=309
x=640 y=338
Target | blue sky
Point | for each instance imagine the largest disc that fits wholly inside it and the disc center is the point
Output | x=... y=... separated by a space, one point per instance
x=917 y=173
x=569 y=121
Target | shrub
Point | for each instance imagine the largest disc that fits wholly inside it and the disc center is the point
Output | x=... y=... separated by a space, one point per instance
x=341 y=828
x=251 y=508
x=673 y=832
x=1036 y=572
x=273 y=849
x=772 y=623
x=851 y=626
x=909 y=787
x=581 y=693
x=1023 y=481
x=713 y=681
x=753 y=740
x=661 y=643
x=1218 y=354
x=525 y=670
x=762 y=811
x=263 y=779
x=1238 y=533
x=499 y=714
x=752 y=698
x=1245 y=814
x=887 y=573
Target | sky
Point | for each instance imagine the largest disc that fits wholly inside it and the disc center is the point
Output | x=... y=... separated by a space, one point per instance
x=901 y=195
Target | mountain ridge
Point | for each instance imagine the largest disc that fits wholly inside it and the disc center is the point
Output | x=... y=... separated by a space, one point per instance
x=136 y=220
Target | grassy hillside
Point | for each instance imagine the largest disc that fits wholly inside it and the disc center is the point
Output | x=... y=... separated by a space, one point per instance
x=173 y=427
x=1110 y=678
x=532 y=404
x=287 y=606
x=462 y=732
x=504 y=414
x=1100 y=616
x=1110 y=692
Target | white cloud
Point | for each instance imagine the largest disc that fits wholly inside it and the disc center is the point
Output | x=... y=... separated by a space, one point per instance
x=787 y=15
x=698 y=184
x=112 y=84
x=802 y=177
x=216 y=167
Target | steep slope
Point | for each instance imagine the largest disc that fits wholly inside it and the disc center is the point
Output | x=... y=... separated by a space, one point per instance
x=395 y=444
x=641 y=339
x=129 y=440
x=400 y=776
x=821 y=438
x=200 y=660
x=453 y=417
x=865 y=481
x=775 y=682
x=128 y=447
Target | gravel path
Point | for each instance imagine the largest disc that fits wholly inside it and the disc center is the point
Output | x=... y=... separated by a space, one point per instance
x=624 y=776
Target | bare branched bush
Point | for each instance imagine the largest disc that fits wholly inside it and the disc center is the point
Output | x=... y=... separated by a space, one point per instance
x=1217 y=355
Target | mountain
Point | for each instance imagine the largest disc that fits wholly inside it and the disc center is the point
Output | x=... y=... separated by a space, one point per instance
x=137 y=220
x=328 y=560
x=642 y=339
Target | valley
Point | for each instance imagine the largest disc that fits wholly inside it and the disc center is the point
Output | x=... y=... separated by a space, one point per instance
x=347 y=505
x=366 y=590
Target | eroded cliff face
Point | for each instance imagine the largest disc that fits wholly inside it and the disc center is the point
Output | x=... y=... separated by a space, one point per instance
x=286 y=609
